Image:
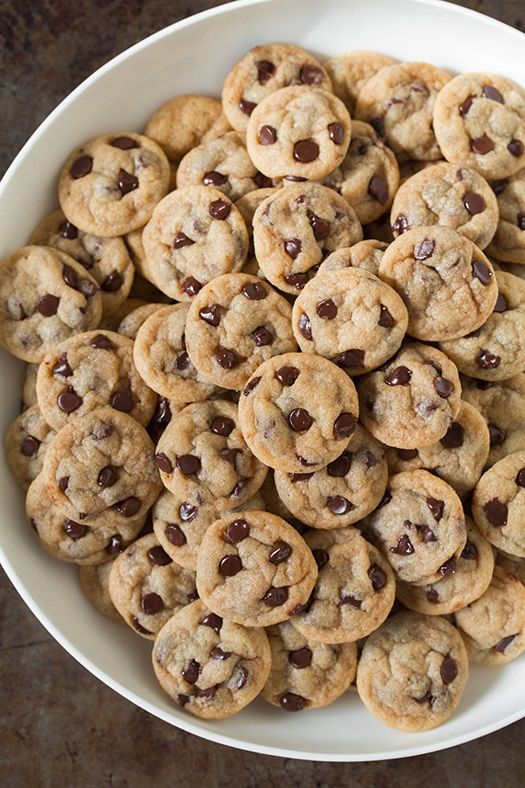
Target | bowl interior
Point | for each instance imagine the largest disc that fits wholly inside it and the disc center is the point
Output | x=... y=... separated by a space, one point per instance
x=195 y=56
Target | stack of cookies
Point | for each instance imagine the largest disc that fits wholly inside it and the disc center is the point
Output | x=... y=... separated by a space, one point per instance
x=274 y=404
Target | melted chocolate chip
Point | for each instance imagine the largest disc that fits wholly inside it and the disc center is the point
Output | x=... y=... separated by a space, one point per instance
x=378 y=189
x=187 y=512
x=300 y=658
x=251 y=385
x=207 y=693
x=29 y=447
x=384 y=500
x=427 y=534
x=158 y=556
x=339 y=467
x=211 y=314
x=482 y=272
x=68 y=400
x=400 y=225
x=424 y=249
x=122 y=400
x=488 y=360
x=297 y=281
x=247 y=106
x=482 y=145
x=503 y=643
x=151 y=603
x=326 y=309
x=305 y=151
x=377 y=576
x=236 y=531
x=212 y=620
x=407 y=454
x=262 y=181
x=292 y=247
x=320 y=227
x=521 y=221
x=81 y=167
x=188 y=464
x=432 y=595
x=385 y=318
x=448 y=670
x=454 y=436
x=190 y=286
x=305 y=326
x=143 y=631
x=474 y=203
x=280 y=552
x=75 y=530
x=336 y=133
x=275 y=596
x=287 y=375
x=345 y=425
x=127 y=182
x=230 y=455
x=492 y=93
x=449 y=567
x=164 y=463
x=175 y=535
x=348 y=599
x=222 y=425
x=300 y=420
x=48 y=305
x=191 y=671
x=220 y=209
x=404 y=546
x=181 y=240
x=499 y=186
x=321 y=557
x=300 y=477
x=230 y=565
x=290 y=701
x=350 y=359
x=520 y=478
x=496 y=512
x=501 y=304
x=470 y=551
x=254 y=291
x=107 y=477
x=61 y=367
x=400 y=376
x=516 y=147
x=114 y=546
x=226 y=358
x=218 y=653
x=68 y=230
x=112 y=282
x=267 y=135
x=337 y=504
x=265 y=71
x=443 y=387
x=128 y=507
x=310 y=74
x=214 y=178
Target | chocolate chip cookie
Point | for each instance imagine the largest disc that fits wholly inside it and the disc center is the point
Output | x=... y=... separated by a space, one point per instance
x=509 y=241
x=349 y=73
x=94 y=582
x=26 y=443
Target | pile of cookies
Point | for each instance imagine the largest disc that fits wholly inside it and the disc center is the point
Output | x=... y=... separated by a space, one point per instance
x=274 y=405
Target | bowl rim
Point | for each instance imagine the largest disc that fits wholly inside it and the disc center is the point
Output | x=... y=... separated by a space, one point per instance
x=187 y=724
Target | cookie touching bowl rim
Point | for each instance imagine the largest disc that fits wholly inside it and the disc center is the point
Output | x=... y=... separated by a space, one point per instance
x=312 y=32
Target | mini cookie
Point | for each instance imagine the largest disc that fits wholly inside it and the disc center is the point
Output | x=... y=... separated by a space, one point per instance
x=194 y=235
x=455 y=591
x=184 y=122
x=351 y=317
x=296 y=228
x=306 y=674
x=89 y=371
x=72 y=541
x=354 y=592
x=101 y=468
x=446 y=282
x=344 y=492
x=298 y=412
x=419 y=527
x=479 y=120
x=112 y=322
x=162 y=360
x=254 y=569
x=498 y=504
x=147 y=588
x=365 y=254
x=203 y=449
x=448 y=195
x=262 y=71
x=223 y=163
x=299 y=132
x=236 y=322
x=106 y=259
x=509 y=242
x=349 y=73
x=110 y=185
x=45 y=297
x=398 y=102
x=458 y=457
x=130 y=324
x=368 y=177
x=412 y=672
x=493 y=627
x=495 y=351
x=29 y=387
x=211 y=667
x=94 y=582
x=26 y=443
x=412 y=401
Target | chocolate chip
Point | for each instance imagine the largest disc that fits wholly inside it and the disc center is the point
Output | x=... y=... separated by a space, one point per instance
x=190 y=286
x=251 y=385
x=424 y=249
x=207 y=693
x=474 y=203
x=336 y=133
x=254 y=291
x=230 y=565
x=345 y=425
x=470 y=551
x=448 y=670
x=112 y=282
x=350 y=359
x=114 y=546
x=75 y=530
x=520 y=478
x=300 y=658
x=449 y=567
x=399 y=376
x=297 y=281
x=482 y=272
x=81 y=167
x=326 y=309
x=521 y=221
x=340 y=466
x=499 y=186
x=222 y=425
x=280 y=552
x=187 y=512
x=454 y=436
x=181 y=240
x=310 y=75
x=385 y=318
x=61 y=367
x=300 y=477
x=127 y=182
x=128 y=507
x=212 y=620
x=262 y=181
x=292 y=247
x=158 y=556
x=220 y=209
x=404 y=546
x=300 y=420
x=321 y=557
x=226 y=358
x=211 y=314
x=400 y=225
x=320 y=227
x=275 y=596
x=496 y=512
x=214 y=178
x=68 y=230
x=107 y=477
x=290 y=701
x=138 y=626
x=191 y=671
x=122 y=400
x=265 y=70
x=236 y=531
x=164 y=463
x=247 y=106
x=503 y=643
x=287 y=375
x=48 y=305
x=427 y=534
x=101 y=342
x=482 y=145
x=68 y=400
x=175 y=535
x=188 y=464
x=267 y=135
x=443 y=387
x=305 y=151
x=348 y=599
x=516 y=147
x=378 y=189
x=377 y=576
x=492 y=93
x=151 y=603
x=262 y=336
x=488 y=360
x=218 y=653
x=104 y=431
x=432 y=595
x=407 y=454
x=305 y=326
x=337 y=504
x=465 y=106
x=384 y=500
x=29 y=446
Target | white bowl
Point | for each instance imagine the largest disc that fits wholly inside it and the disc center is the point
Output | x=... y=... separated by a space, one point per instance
x=195 y=55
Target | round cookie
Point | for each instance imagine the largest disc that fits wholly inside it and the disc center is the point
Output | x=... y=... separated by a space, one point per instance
x=351 y=317
x=45 y=297
x=224 y=164
x=147 y=588
x=101 y=468
x=107 y=259
x=194 y=235
x=412 y=672
x=509 y=241
x=419 y=527
x=298 y=132
x=236 y=322
x=493 y=627
x=495 y=351
x=346 y=491
x=458 y=457
x=94 y=582
x=26 y=443
x=162 y=360
x=296 y=228
x=350 y=71
x=448 y=195
x=254 y=569
x=479 y=121
x=130 y=324
x=306 y=674
x=29 y=387
x=455 y=591
x=89 y=371
x=412 y=401
x=110 y=185
x=73 y=541
x=211 y=667
x=498 y=504
x=203 y=449
x=298 y=412
x=262 y=71
x=364 y=254
x=398 y=102
x=184 y=122
x=354 y=592
x=446 y=282
x=502 y=405
x=368 y=177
